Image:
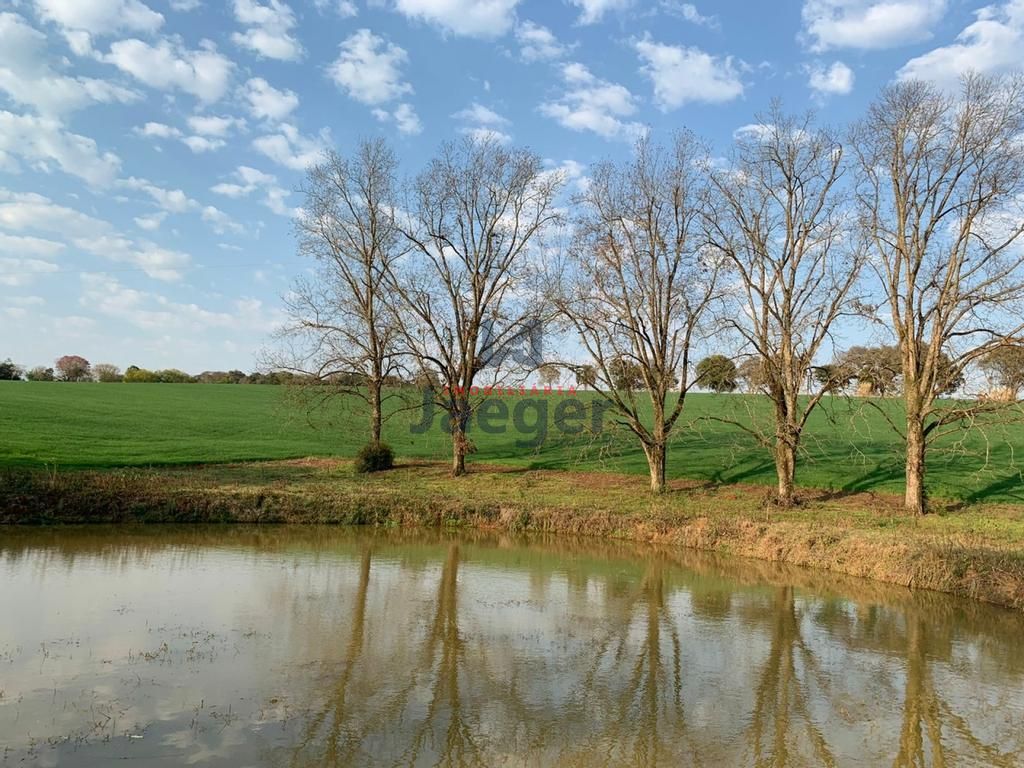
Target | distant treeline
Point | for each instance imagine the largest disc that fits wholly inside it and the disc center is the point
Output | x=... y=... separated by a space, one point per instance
x=73 y=368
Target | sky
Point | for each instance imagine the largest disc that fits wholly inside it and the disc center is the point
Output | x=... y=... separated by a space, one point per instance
x=151 y=150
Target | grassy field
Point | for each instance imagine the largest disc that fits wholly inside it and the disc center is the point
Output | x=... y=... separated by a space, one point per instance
x=850 y=447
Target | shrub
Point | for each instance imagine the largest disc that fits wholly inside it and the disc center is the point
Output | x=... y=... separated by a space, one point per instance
x=375 y=457
x=107 y=373
x=40 y=373
x=136 y=375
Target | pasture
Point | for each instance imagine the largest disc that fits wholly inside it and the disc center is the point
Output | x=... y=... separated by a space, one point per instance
x=849 y=446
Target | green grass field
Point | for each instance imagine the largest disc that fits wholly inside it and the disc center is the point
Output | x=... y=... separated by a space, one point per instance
x=849 y=447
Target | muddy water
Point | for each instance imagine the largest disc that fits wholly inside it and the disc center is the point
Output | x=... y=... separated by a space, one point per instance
x=308 y=647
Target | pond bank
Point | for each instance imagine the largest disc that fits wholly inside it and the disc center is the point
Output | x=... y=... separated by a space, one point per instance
x=974 y=551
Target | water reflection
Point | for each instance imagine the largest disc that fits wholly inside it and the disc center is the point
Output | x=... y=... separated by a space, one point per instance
x=308 y=647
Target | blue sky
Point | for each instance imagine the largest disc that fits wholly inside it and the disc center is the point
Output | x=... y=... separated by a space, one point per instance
x=150 y=149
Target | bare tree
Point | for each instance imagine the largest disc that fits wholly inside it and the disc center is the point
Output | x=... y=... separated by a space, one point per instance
x=781 y=223
x=940 y=196
x=641 y=286
x=339 y=331
x=472 y=286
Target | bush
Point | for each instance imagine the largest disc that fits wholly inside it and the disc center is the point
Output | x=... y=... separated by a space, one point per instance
x=106 y=373
x=375 y=457
x=39 y=373
x=136 y=375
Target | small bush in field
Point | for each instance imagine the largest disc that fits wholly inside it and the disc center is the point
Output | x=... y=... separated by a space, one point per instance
x=375 y=457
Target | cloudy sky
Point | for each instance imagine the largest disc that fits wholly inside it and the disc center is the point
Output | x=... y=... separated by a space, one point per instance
x=150 y=149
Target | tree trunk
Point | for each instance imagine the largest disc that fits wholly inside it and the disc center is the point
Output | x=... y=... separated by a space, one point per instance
x=376 y=416
x=458 y=455
x=656 y=455
x=785 y=470
x=460 y=442
x=914 y=501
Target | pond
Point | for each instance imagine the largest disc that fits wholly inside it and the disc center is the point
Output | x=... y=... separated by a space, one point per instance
x=301 y=646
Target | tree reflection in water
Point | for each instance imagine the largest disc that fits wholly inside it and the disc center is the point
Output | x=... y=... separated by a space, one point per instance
x=591 y=668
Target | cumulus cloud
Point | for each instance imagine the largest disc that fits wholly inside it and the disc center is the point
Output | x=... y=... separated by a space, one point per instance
x=538 y=43
x=27 y=77
x=268 y=29
x=991 y=44
x=689 y=12
x=346 y=9
x=31 y=212
x=82 y=20
x=589 y=103
x=264 y=102
x=481 y=123
x=43 y=143
x=21 y=212
x=247 y=180
x=369 y=68
x=469 y=18
x=834 y=79
x=868 y=24
x=403 y=116
x=682 y=74
x=592 y=11
x=152 y=311
x=291 y=149
x=167 y=65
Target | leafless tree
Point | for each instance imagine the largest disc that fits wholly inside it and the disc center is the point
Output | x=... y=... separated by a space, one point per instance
x=472 y=287
x=780 y=221
x=338 y=330
x=641 y=285
x=941 y=198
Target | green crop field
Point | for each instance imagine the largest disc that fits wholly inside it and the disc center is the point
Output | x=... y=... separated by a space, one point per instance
x=849 y=446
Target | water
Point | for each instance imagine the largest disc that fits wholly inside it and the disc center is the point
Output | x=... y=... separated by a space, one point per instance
x=227 y=646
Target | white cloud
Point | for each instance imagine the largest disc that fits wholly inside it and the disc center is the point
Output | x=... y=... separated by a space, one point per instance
x=201 y=144
x=30 y=212
x=81 y=20
x=869 y=24
x=157 y=262
x=478 y=113
x=592 y=104
x=404 y=116
x=346 y=9
x=183 y=6
x=172 y=200
x=26 y=75
x=682 y=75
x=538 y=43
x=42 y=142
x=835 y=79
x=291 y=149
x=482 y=123
x=214 y=125
x=592 y=11
x=689 y=12
x=266 y=102
x=993 y=43
x=203 y=73
x=268 y=29
x=250 y=180
x=21 y=245
x=17 y=272
x=369 y=68
x=152 y=311
x=159 y=131
x=469 y=18
x=21 y=212
x=151 y=222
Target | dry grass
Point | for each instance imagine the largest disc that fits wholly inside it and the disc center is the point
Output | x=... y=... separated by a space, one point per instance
x=975 y=551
